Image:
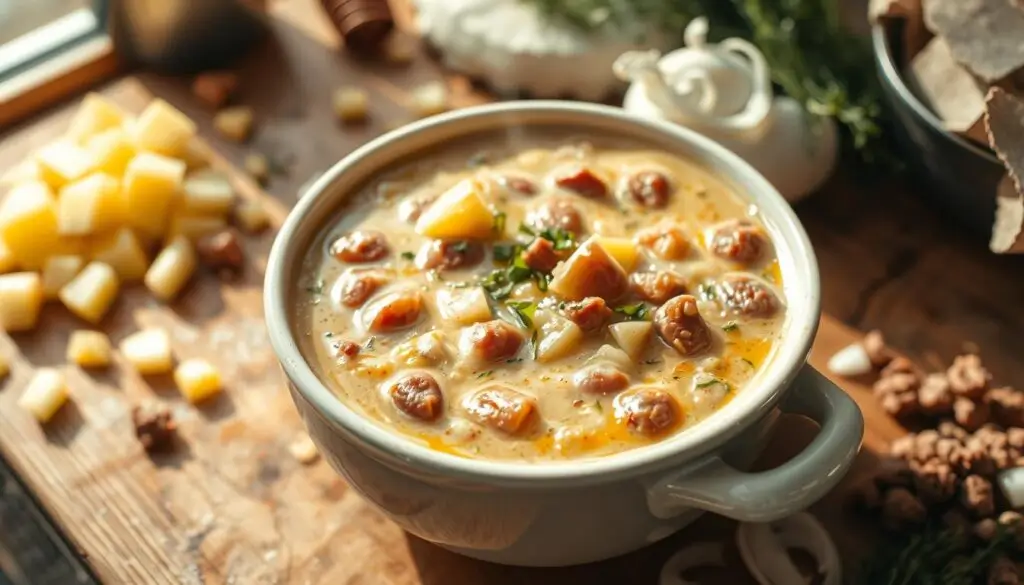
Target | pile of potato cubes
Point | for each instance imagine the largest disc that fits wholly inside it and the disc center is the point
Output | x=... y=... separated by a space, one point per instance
x=117 y=200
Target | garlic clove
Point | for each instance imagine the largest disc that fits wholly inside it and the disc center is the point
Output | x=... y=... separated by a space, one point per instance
x=764 y=550
x=1011 y=482
x=850 y=361
x=703 y=554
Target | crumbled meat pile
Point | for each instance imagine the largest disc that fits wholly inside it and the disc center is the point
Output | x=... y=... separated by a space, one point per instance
x=949 y=470
x=154 y=427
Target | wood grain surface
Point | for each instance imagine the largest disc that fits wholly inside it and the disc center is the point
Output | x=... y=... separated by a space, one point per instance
x=232 y=506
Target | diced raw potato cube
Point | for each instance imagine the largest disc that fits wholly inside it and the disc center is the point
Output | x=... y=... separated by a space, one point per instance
x=303 y=449
x=558 y=338
x=196 y=155
x=351 y=104
x=23 y=172
x=62 y=162
x=589 y=272
x=90 y=205
x=162 y=129
x=631 y=336
x=610 y=355
x=235 y=123
x=28 y=224
x=7 y=260
x=151 y=183
x=92 y=292
x=171 y=269
x=194 y=227
x=207 y=191
x=21 y=298
x=95 y=115
x=430 y=99
x=44 y=395
x=5 y=367
x=122 y=252
x=258 y=167
x=251 y=216
x=459 y=213
x=463 y=306
x=624 y=250
x=58 y=271
x=111 y=150
x=197 y=379
x=89 y=349
x=148 y=351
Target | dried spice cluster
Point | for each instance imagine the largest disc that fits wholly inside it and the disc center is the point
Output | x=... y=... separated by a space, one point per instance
x=948 y=471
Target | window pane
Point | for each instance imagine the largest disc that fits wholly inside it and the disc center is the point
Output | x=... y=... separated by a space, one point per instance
x=18 y=17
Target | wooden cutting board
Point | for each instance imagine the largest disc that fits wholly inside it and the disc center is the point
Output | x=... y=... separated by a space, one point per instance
x=232 y=505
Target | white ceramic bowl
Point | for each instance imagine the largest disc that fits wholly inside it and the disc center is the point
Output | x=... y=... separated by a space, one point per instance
x=570 y=512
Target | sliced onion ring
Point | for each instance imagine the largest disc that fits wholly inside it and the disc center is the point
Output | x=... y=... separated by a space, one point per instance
x=702 y=554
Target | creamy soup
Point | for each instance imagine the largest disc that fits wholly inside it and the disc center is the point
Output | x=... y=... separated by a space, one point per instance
x=563 y=301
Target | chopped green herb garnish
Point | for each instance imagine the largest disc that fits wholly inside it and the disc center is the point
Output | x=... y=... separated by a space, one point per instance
x=598 y=406
x=561 y=238
x=478 y=159
x=524 y=311
x=459 y=284
x=730 y=327
x=706 y=291
x=542 y=281
x=328 y=334
x=499 y=222
x=637 y=312
x=525 y=229
x=368 y=345
x=460 y=247
x=484 y=374
x=408 y=255
x=514 y=361
x=748 y=362
x=534 y=344
x=316 y=288
x=506 y=252
x=651 y=362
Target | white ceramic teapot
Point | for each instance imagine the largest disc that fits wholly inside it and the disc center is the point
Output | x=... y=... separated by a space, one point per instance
x=724 y=91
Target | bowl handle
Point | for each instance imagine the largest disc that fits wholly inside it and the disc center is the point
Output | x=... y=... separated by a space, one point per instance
x=715 y=486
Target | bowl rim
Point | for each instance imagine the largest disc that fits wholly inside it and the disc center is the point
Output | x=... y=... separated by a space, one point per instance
x=796 y=258
x=891 y=73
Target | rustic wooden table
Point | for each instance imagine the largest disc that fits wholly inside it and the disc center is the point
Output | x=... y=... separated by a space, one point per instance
x=234 y=507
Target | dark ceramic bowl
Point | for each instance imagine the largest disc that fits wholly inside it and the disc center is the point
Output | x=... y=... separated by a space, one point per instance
x=961 y=175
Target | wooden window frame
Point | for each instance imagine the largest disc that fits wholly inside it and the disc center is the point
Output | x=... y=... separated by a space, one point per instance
x=54 y=61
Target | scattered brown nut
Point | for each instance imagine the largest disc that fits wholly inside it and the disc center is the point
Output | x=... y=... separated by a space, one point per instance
x=901 y=508
x=1007 y=406
x=154 y=427
x=934 y=394
x=878 y=353
x=215 y=88
x=934 y=482
x=969 y=414
x=977 y=496
x=221 y=251
x=967 y=377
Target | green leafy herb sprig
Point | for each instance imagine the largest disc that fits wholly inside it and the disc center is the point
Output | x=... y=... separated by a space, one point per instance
x=500 y=282
x=812 y=57
x=935 y=556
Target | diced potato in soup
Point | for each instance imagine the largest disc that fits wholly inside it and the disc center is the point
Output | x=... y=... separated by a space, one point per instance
x=557 y=302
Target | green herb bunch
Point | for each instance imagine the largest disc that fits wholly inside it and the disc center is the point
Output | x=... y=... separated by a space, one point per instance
x=936 y=556
x=813 y=58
